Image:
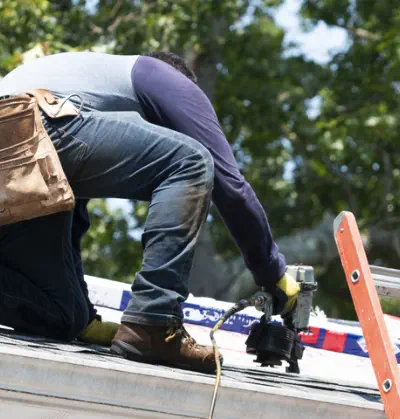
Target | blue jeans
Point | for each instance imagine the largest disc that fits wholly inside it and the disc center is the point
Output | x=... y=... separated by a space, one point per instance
x=117 y=155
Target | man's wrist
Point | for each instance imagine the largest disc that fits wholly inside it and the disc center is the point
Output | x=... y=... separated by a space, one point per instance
x=267 y=276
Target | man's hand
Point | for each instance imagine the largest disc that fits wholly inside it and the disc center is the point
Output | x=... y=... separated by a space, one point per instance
x=285 y=298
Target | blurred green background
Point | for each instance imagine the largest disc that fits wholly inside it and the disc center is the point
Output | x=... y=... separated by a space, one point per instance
x=308 y=94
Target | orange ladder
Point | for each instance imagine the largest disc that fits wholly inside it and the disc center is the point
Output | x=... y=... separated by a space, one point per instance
x=369 y=311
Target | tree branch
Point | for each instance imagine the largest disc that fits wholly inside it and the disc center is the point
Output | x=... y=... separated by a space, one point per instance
x=361 y=33
x=130 y=17
x=116 y=9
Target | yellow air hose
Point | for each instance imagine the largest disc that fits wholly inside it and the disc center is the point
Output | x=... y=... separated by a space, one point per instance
x=258 y=300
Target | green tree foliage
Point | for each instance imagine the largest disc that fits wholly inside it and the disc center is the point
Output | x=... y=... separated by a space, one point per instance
x=109 y=250
x=54 y=26
x=302 y=166
x=357 y=133
x=354 y=155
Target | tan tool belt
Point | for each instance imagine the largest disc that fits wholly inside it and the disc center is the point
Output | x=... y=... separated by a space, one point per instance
x=32 y=180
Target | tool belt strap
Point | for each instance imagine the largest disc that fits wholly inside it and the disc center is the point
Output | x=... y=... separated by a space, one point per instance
x=32 y=180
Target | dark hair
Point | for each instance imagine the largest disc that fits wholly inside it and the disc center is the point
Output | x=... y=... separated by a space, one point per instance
x=175 y=61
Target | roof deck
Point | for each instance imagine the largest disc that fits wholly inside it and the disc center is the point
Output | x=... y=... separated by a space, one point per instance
x=45 y=379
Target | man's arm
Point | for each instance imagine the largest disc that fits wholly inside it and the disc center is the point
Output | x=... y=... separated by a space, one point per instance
x=170 y=99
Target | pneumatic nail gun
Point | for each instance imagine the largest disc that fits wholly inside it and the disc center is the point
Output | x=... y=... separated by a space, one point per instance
x=273 y=342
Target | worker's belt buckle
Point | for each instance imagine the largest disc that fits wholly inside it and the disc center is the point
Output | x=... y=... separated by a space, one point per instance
x=32 y=180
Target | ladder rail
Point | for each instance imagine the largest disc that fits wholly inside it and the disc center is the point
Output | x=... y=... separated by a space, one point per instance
x=369 y=311
x=387 y=281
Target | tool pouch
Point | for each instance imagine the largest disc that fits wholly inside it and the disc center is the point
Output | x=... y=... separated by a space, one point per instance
x=32 y=180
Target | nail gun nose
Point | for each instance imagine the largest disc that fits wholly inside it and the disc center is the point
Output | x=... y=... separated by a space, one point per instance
x=259 y=301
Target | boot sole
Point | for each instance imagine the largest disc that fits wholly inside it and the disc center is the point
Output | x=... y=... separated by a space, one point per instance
x=129 y=352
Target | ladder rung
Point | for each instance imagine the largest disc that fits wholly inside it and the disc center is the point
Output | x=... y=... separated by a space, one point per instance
x=387 y=281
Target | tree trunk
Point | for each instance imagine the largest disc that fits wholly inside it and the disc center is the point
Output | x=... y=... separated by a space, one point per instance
x=207 y=271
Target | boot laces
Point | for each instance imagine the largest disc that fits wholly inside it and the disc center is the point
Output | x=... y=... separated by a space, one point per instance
x=173 y=332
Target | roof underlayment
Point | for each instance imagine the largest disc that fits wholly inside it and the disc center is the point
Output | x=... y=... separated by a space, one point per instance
x=45 y=379
x=51 y=380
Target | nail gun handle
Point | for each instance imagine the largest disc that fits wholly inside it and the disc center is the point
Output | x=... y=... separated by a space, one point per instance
x=268 y=307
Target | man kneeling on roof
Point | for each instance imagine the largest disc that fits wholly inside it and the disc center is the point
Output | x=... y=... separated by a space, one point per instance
x=134 y=127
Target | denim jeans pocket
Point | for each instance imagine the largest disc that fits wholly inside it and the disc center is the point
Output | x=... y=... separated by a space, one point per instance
x=63 y=133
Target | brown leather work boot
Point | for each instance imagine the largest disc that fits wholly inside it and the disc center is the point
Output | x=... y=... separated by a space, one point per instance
x=162 y=345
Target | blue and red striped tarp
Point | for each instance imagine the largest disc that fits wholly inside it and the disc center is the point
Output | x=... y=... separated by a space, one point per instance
x=328 y=334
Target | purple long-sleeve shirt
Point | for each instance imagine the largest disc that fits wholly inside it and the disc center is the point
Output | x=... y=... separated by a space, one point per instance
x=170 y=99
x=166 y=97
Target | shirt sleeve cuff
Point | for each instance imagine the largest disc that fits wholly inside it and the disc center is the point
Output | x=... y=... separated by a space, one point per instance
x=267 y=276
